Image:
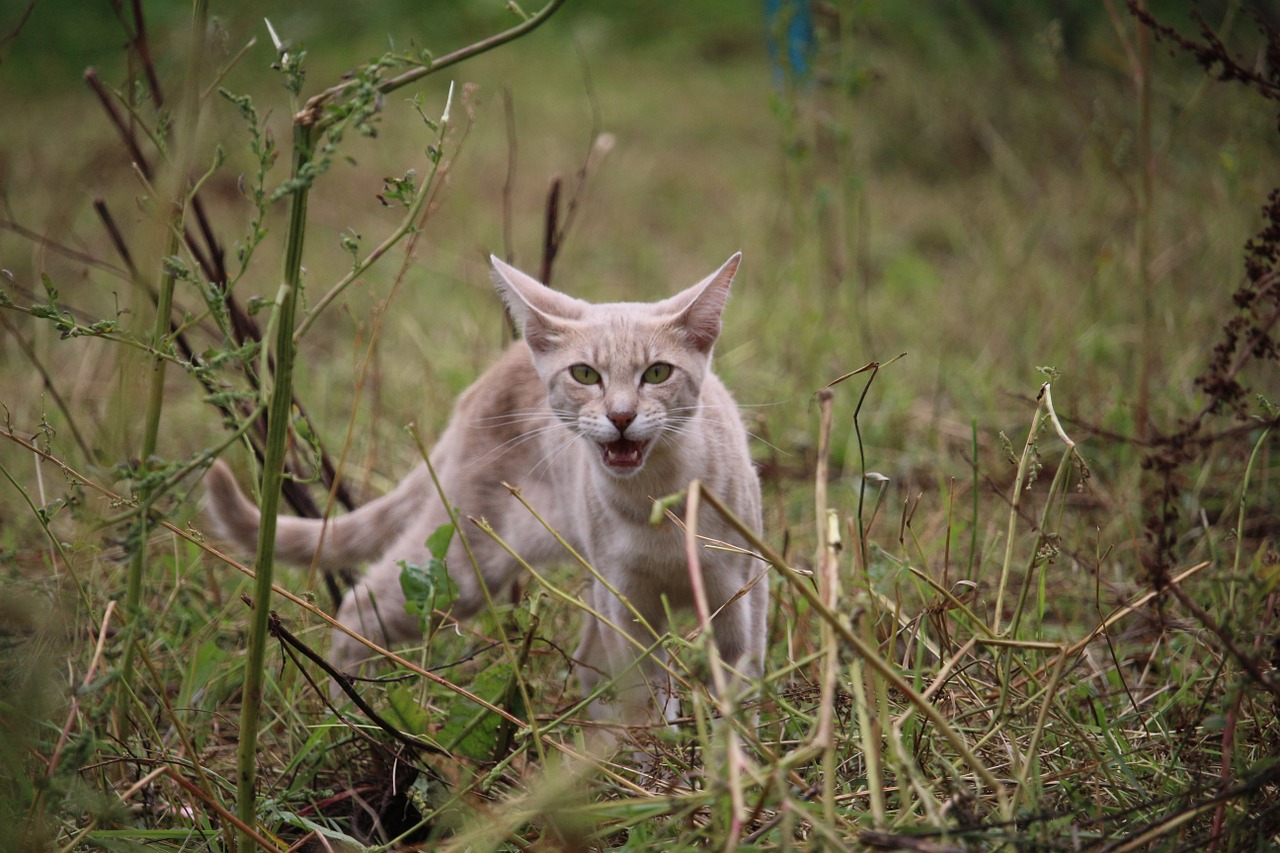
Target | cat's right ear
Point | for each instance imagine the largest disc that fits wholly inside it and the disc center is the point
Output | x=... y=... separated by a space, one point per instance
x=539 y=311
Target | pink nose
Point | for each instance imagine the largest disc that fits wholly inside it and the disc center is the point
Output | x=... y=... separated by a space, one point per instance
x=622 y=420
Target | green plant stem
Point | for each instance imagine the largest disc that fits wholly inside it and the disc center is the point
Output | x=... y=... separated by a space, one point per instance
x=150 y=438
x=1146 y=183
x=159 y=337
x=279 y=408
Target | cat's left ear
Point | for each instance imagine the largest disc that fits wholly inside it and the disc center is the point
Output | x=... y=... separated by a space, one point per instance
x=537 y=309
x=698 y=309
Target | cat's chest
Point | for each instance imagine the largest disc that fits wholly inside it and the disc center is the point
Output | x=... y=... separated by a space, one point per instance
x=627 y=537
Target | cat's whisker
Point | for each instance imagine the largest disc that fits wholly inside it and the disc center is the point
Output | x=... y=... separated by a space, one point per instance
x=516 y=441
x=733 y=407
x=506 y=418
x=543 y=466
x=668 y=436
x=677 y=424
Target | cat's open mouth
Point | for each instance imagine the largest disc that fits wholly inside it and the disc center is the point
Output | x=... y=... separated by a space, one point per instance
x=623 y=453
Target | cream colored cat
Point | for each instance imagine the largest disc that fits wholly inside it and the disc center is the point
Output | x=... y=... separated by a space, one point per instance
x=599 y=410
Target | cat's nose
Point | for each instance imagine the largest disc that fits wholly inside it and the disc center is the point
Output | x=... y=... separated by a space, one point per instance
x=622 y=420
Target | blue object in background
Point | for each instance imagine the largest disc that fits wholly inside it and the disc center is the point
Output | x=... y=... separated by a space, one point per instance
x=789 y=22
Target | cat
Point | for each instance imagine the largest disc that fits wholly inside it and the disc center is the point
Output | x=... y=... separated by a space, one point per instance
x=595 y=412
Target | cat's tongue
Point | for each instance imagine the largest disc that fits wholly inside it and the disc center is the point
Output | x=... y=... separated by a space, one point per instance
x=623 y=453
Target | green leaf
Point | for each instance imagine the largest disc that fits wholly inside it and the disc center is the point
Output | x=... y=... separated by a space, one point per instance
x=1214 y=723
x=473 y=731
x=426 y=588
x=404 y=712
x=438 y=542
x=203 y=668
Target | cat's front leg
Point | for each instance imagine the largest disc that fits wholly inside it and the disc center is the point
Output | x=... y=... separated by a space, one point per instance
x=642 y=690
x=375 y=607
x=740 y=627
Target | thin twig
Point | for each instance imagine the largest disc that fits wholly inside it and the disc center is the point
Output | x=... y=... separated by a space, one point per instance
x=508 y=184
x=142 y=47
x=65 y=251
x=22 y=22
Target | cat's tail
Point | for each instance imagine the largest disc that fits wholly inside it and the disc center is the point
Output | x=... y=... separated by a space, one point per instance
x=336 y=543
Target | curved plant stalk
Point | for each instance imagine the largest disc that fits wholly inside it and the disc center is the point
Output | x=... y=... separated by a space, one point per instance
x=1044 y=409
x=1015 y=503
x=725 y=699
x=313 y=112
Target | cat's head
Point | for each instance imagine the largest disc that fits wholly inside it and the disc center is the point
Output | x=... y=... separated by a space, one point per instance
x=625 y=376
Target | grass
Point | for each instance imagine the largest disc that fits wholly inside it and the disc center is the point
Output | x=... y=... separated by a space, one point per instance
x=975 y=639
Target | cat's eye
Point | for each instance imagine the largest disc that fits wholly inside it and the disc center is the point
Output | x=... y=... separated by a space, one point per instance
x=656 y=373
x=585 y=373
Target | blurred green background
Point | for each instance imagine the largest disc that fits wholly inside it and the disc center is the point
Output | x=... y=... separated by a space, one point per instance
x=957 y=181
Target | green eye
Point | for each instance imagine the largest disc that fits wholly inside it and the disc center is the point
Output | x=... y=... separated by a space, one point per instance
x=656 y=373
x=586 y=374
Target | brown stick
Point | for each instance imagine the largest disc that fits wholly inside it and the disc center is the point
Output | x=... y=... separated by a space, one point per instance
x=552 y=233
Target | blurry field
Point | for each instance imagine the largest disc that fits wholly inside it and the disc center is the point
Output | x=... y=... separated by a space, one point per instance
x=960 y=185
